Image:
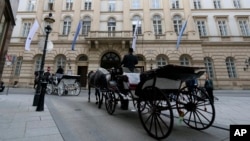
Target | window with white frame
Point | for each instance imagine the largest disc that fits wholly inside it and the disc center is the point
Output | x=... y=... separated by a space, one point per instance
x=18 y=65
x=26 y=28
x=155 y=4
x=66 y=25
x=31 y=5
x=201 y=25
x=177 y=24
x=111 y=27
x=244 y=26
x=231 y=67
x=185 y=60
x=60 y=61
x=175 y=4
x=50 y=4
x=222 y=25
x=135 y=4
x=161 y=60
x=69 y=5
x=236 y=3
x=217 y=4
x=197 y=4
x=137 y=21
x=87 y=4
x=111 y=5
x=157 y=25
x=86 y=25
x=38 y=61
x=208 y=62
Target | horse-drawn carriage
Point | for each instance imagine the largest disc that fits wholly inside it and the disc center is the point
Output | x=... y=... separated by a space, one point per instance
x=62 y=84
x=159 y=92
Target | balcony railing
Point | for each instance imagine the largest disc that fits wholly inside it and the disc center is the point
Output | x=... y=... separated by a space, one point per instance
x=109 y=34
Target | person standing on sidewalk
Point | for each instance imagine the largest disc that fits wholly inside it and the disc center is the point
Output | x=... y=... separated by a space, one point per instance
x=209 y=87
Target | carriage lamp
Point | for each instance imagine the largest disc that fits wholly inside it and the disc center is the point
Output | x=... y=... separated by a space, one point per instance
x=69 y=61
x=247 y=64
x=48 y=21
x=151 y=64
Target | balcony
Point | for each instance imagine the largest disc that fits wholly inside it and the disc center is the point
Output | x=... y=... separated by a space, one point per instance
x=109 y=35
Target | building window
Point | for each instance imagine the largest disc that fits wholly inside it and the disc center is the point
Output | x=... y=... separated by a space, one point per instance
x=222 y=24
x=31 y=5
x=69 y=4
x=236 y=3
x=157 y=25
x=38 y=61
x=155 y=4
x=26 y=28
x=137 y=20
x=175 y=4
x=83 y=58
x=87 y=4
x=197 y=4
x=209 y=66
x=86 y=25
x=18 y=65
x=111 y=5
x=60 y=61
x=185 y=61
x=50 y=4
x=111 y=27
x=217 y=4
x=177 y=24
x=161 y=61
x=244 y=27
x=231 y=67
x=201 y=27
x=66 y=25
x=135 y=4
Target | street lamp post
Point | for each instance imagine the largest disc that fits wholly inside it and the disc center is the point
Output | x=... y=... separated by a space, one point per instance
x=49 y=20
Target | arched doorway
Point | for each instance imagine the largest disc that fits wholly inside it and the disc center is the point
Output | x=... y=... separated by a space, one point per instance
x=110 y=59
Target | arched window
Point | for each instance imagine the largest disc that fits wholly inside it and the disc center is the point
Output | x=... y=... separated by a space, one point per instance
x=231 y=67
x=185 y=60
x=137 y=21
x=18 y=65
x=208 y=62
x=86 y=25
x=83 y=58
x=60 y=61
x=38 y=60
x=177 y=24
x=66 y=25
x=157 y=24
x=161 y=60
x=111 y=27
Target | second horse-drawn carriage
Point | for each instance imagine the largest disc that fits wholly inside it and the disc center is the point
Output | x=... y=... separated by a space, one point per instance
x=160 y=92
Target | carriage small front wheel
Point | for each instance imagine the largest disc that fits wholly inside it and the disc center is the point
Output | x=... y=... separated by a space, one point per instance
x=110 y=102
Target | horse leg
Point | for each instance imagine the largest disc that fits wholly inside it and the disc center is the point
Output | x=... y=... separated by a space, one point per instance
x=96 y=95
x=89 y=93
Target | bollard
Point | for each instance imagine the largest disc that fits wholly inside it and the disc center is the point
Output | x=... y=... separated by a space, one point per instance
x=40 y=106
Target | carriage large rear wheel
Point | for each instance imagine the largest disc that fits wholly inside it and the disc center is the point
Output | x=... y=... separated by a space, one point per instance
x=155 y=112
x=110 y=102
x=196 y=108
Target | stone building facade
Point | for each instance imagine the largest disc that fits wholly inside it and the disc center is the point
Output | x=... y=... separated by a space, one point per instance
x=217 y=37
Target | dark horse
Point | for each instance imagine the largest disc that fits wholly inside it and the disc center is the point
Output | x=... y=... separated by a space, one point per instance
x=98 y=80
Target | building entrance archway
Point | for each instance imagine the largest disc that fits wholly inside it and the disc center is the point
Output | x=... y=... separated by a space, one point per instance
x=110 y=59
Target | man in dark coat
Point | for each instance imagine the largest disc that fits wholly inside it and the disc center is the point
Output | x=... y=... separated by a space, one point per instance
x=129 y=60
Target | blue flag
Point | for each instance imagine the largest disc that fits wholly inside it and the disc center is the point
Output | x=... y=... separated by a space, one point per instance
x=180 y=34
x=76 y=34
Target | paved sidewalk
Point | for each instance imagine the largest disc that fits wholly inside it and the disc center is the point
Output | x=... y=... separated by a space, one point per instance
x=19 y=120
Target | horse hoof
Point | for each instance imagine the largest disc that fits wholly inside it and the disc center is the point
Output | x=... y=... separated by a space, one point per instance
x=96 y=103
